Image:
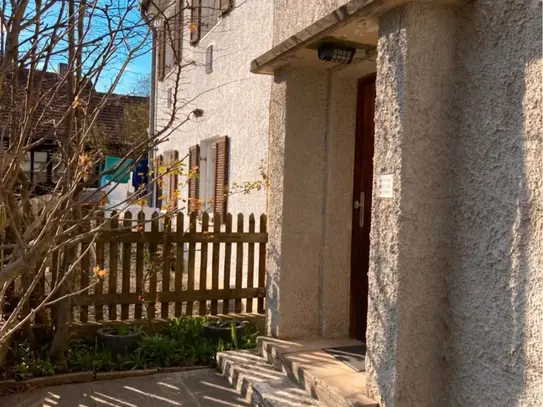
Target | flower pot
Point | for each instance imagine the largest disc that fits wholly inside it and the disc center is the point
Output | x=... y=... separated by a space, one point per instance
x=216 y=330
x=111 y=340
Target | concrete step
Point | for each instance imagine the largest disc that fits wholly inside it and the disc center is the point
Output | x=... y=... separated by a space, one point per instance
x=328 y=380
x=259 y=383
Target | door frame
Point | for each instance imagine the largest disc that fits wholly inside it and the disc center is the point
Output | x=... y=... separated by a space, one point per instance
x=360 y=242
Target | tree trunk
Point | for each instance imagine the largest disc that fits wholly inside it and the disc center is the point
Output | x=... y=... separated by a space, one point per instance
x=63 y=314
x=4 y=348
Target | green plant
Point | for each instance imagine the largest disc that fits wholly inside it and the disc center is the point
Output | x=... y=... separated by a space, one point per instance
x=157 y=350
x=197 y=353
x=35 y=368
x=249 y=337
x=82 y=357
x=186 y=329
x=234 y=333
x=29 y=361
x=123 y=330
x=130 y=362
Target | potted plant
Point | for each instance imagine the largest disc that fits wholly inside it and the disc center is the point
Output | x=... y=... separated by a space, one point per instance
x=119 y=339
x=226 y=330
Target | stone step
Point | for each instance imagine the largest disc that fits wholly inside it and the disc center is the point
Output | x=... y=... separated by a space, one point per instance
x=329 y=381
x=259 y=383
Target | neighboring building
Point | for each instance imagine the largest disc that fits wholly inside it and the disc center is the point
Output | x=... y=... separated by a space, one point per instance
x=406 y=196
x=117 y=118
x=212 y=42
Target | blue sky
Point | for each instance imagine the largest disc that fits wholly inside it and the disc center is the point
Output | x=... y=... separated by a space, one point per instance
x=137 y=70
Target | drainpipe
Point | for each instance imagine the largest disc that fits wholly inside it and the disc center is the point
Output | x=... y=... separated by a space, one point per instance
x=152 y=108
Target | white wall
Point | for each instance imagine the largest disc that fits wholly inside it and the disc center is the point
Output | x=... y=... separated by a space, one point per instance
x=235 y=102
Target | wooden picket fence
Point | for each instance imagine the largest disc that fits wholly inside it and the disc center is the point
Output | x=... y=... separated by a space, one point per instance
x=163 y=267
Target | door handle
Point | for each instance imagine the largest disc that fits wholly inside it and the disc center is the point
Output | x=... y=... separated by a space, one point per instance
x=360 y=205
x=361 y=214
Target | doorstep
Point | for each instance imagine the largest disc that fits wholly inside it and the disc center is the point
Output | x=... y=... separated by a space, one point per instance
x=327 y=379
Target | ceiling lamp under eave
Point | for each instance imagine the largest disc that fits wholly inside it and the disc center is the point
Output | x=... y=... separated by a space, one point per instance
x=338 y=54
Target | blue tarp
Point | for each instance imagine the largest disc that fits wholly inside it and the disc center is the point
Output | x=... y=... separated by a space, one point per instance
x=140 y=174
x=121 y=175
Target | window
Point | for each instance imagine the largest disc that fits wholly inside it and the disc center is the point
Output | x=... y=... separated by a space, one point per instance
x=209 y=59
x=40 y=167
x=36 y=167
x=205 y=14
x=208 y=189
x=208 y=166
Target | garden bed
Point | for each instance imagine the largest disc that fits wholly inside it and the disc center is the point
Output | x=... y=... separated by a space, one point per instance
x=180 y=345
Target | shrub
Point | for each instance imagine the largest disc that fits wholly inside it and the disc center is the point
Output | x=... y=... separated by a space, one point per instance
x=85 y=355
x=30 y=362
x=186 y=329
x=157 y=351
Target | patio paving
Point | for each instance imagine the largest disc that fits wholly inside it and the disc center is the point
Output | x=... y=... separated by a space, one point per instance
x=188 y=389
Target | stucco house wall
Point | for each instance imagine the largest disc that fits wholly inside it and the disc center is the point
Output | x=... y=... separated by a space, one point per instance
x=495 y=292
x=235 y=102
x=456 y=269
x=292 y=16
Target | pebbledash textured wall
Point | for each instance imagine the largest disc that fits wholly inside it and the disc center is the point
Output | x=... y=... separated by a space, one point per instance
x=292 y=16
x=235 y=101
x=456 y=281
x=495 y=289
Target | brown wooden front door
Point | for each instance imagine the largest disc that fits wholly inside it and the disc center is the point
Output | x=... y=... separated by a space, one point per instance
x=363 y=182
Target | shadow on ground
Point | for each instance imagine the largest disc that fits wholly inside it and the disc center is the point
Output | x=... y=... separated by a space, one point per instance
x=190 y=389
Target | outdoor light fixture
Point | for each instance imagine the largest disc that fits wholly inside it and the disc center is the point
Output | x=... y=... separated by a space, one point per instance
x=333 y=53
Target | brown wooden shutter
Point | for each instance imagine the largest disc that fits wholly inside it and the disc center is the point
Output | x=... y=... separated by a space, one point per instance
x=222 y=152
x=195 y=20
x=175 y=180
x=161 y=52
x=158 y=180
x=178 y=34
x=194 y=181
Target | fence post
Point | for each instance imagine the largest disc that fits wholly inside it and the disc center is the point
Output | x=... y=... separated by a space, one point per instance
x=251 y=264
x=99 y=287
x=85 y=270
x=262 y=263
x=113 y=260
x=166 y=261
x=202 y=310
x=239 y=263
x=179 y=262
x=227 y=263
x=192 y=259
x=139 y=266
x=216 y=251
x=153 y=254
x=127 y=260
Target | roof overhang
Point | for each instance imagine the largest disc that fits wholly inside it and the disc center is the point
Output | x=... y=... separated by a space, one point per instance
x=354 y=24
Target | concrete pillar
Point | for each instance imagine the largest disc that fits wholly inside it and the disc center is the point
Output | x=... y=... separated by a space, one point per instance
x=298 y=125
x=410 y=236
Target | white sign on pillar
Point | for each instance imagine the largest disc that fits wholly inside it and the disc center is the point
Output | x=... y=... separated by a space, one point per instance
x=385 y=186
